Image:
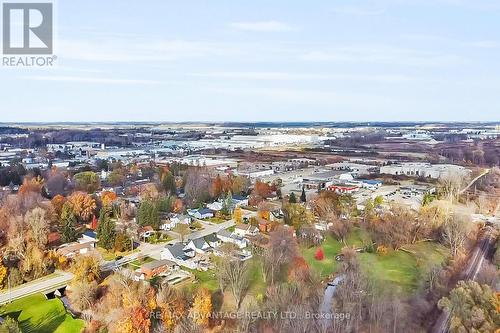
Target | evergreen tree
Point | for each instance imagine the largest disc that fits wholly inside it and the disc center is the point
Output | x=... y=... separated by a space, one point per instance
x=106 y=230
x=168 y=183
x=292 y=198
x=303 y=195
x=68 y=232
x=227 y=204
x=149 y=214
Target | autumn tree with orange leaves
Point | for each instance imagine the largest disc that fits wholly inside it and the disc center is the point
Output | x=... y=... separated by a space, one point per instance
x=82 y=205
x=202 y=307
x=108 y=197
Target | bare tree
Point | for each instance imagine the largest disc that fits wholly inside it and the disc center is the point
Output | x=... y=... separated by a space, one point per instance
x=234 y=274
x=451 y=184
x=83 y=295
x=282 y=250
x=455 y=232
x=39 y=226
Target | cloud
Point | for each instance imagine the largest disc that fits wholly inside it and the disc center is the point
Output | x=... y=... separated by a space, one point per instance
x=143 y=50
x=382 y=54
x=483 y=44
x=97 y=80
x=287 y=76
x=262 y=26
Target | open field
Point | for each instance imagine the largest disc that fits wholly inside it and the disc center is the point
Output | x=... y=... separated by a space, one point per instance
x=403 y=269
x=37 y=314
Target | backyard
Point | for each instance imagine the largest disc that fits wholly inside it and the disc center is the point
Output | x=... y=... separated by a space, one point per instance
x=403 y=268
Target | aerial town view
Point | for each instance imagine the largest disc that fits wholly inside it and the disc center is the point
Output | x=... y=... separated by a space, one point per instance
x=261 y=167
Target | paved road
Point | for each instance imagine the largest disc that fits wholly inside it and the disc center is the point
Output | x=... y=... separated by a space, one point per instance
x=34 y=287
x=470 y=273
x=154 y=250
x=485 y=172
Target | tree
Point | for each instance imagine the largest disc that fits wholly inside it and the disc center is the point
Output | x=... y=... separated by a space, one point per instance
x=234 y=274
x=472 y=307
x=117 y=177
x=292 y=198
x=202 y=307
x=106 y=230
x=282 y=250
x=197 y=186
x=10 y=325
x=82 y=204
x=455 y=232
x=108 y=197
x=217 y=187
x=55 y=183
x=168 y=183
x=57 y=203
x=238 y=215
x=39 y=227
x=122 y=242
x=227 y=204
x=319 y=255
x=296 y=215
x=87 y=181
x=86 y=269
x=3 y=275
x=451 y=184
x=83 y=295
x=340 y=227
x=303 y=197
x=68 y=220
x=149 y=214
x=183 y=230
x=172 y=304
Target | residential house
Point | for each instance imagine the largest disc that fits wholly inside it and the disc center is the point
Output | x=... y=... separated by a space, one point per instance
x=213 y=240
x=72 y=249
x=228 y=237
x=244 y=230
x=89 y=235
x=240 y=200
x=179 y=254
x=201 y=213
x=174 y=220
x=157 y=267
x=199 y=245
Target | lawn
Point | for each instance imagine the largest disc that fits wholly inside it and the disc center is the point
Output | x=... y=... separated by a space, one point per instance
x=209 y=280
x=404 y=269
x=111 y=255
x=37 y=314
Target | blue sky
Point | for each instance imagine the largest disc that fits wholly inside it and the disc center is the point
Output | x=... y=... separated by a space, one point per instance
x=392 y=60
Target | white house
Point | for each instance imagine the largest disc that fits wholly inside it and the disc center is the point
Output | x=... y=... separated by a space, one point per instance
x=179 y=254
x=244 y=230
x=228 y=237
x=174 y=220
x=215 y=206
x=199 y=245
x=201 y=213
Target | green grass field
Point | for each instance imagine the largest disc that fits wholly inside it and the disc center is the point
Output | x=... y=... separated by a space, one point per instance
x=37 y=314
x=404 y=269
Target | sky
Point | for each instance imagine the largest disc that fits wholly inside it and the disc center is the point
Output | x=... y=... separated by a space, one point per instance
x=261 y=60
